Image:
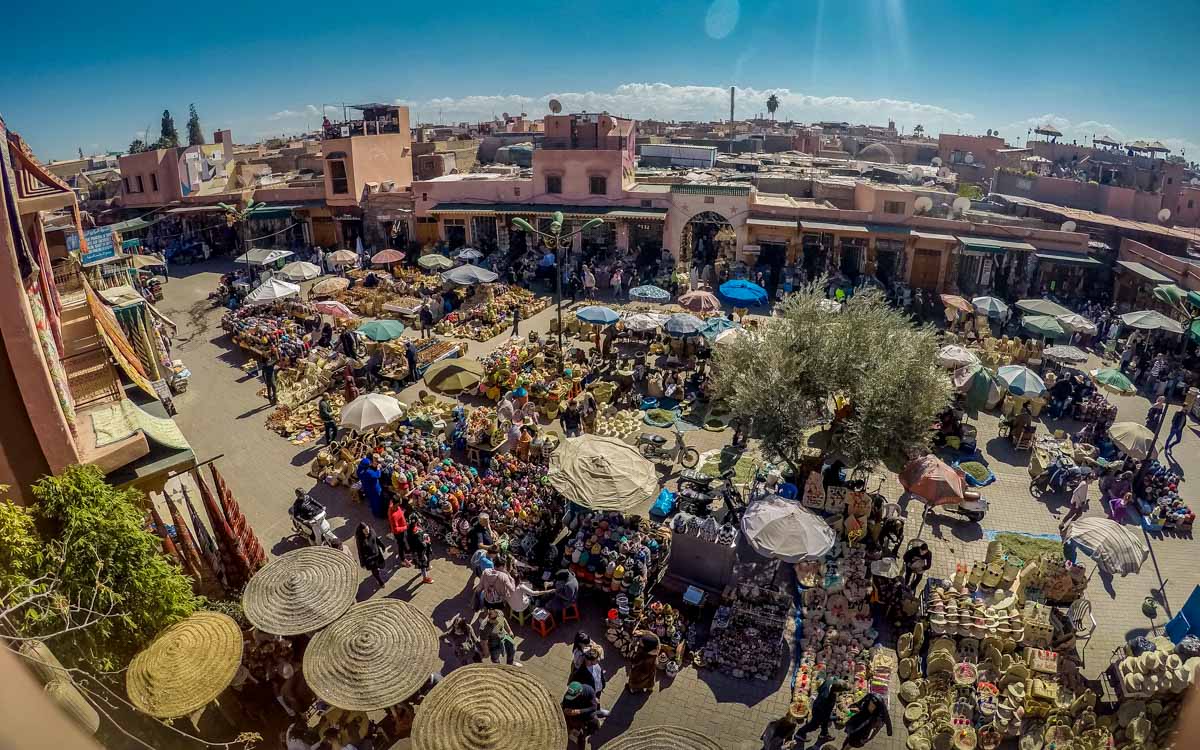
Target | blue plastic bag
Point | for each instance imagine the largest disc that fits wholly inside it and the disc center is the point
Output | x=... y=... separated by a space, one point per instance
x=665 y=503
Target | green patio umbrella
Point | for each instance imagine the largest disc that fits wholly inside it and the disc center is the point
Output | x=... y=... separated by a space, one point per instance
x=1044 y=326
x=1170 y=293
x=1194 y=298
x=1112 y=379
x=382 y=330
x=435 y=262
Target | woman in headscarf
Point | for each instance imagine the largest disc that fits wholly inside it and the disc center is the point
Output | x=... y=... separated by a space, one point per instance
x=371 y=550
x=645 y=662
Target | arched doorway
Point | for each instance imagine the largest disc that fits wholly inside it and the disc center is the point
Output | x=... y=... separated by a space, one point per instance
x=706 y=237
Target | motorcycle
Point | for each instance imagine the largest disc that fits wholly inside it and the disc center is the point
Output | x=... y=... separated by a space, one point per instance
x=1058 y=478
x=654 y=447
x=697 y=493
x=973 y=506
x=311 y=522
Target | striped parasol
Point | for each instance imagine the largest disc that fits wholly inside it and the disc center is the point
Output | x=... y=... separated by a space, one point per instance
x=1116 y=549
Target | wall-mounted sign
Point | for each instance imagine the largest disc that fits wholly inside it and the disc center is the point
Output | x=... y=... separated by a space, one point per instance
x=98 y=244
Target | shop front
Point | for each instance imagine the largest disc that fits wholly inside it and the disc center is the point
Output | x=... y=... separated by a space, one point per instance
x=830 y=247
x=987 y=265
x=1067 y=274
x=1134 y=283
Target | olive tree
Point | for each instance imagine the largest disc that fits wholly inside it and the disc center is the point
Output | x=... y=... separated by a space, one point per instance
x=864 y=373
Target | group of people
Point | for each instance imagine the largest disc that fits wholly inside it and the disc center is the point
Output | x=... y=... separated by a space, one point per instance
x=868 y=715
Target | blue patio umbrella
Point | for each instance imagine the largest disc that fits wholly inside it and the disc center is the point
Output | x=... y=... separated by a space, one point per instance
x=682 y=325
x=598 y=315
x=743 y=293
x=649 y=293
x=714 y=327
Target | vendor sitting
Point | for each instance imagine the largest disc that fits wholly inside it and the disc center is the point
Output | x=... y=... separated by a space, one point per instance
x=949 y=426
x=1021 y=425
x=1116 y=491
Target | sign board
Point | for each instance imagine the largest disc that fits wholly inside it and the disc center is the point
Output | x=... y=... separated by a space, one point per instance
x=98 y=244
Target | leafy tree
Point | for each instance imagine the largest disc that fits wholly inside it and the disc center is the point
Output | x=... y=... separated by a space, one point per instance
x=168 y=135
x=919 y=130
x=195 y=134
x=865 y=374
x=137 y=146
x=772 y=105
x=967 y=190
x=91 y=549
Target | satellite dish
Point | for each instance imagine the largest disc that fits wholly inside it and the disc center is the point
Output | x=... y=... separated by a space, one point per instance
x=989 y=132
x=936 y=161
x=961 y=203
x=1068 y=226
x=555 y=106
x=943 y=172
x=504 y=115
x=923 y=203
x=969 y=158
x=1164 y=214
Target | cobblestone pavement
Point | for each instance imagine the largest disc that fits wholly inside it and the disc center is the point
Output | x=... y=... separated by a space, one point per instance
x=222 y=415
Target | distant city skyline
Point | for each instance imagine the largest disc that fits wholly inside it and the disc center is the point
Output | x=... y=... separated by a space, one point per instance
x=948 y=66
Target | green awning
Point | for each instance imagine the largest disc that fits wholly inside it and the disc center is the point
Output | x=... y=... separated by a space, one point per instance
x=546 y=209
x=1070 y=259
x=1146 y=272
x=890 y=229
x=1194 y=330
x=991 y=245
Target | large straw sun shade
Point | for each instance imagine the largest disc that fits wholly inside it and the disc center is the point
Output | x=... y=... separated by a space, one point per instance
x=489 y=707
x=662 y=738
x=602 y=473
x=186 y=667
x=378 y=654
x=301 y=591
x=1116 y=549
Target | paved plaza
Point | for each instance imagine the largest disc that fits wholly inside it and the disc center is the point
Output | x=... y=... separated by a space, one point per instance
x=222 y=416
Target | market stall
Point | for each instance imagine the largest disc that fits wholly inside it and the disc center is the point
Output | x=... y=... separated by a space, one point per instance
x=488 y=312
x=429 y=351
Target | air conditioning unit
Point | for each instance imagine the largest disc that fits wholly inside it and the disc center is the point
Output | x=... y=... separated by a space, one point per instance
x=373 y=187
x=388 y=186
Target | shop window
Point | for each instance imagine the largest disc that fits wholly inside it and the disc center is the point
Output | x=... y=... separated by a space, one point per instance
x=553 y=183
x=1191 y=203
x=893 y=207
x=141 y=185
x=598 y=185
x=154 y=182
x=517 y=192
x=338 y=180
x=127 y=188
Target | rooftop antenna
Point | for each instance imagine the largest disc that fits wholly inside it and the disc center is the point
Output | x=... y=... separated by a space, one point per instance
x=731 y=126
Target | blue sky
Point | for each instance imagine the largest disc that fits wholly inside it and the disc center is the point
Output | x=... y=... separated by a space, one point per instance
x=91 y=75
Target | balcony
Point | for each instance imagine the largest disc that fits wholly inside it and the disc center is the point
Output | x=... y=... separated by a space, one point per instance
x=350 y=128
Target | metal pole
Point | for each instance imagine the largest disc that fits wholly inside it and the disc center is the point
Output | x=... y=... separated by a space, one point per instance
x=558 y=299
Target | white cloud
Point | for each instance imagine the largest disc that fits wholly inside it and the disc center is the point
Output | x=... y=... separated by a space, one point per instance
x=675 y=102
x=1083 y=131
x=286 y=114
x=721 y=18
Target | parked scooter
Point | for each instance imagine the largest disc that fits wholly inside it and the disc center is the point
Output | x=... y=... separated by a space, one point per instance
x=973 y=506
x=309 y=520
x=698 y=491
x=654 y=447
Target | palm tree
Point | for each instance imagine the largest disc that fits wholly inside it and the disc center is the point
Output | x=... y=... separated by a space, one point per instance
x=772 y=105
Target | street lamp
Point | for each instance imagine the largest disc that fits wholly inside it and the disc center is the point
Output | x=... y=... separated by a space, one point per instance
x=557 y=241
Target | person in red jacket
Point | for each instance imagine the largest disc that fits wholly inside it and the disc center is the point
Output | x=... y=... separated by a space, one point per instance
x=399 y=524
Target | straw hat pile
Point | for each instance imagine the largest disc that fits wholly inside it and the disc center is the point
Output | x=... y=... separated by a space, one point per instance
x=378 y=654
x=662 y=738
x=1157 y=672
x=489 y=707
x=186 y=667
x=301 y=591
x=954 y=612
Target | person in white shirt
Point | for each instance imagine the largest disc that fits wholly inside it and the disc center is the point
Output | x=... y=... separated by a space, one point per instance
x=1079 y=502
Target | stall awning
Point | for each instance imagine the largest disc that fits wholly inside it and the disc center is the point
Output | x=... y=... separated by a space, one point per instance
x=273 y=212
x=1146 y=272
x=779 y=223
x=547 y=209
x=1070 y=259
x=890 y=229
x=131 y=225
x=990 y=245
x=195 y=209
x=828 y=226
x=262 y=256
x=935 y=236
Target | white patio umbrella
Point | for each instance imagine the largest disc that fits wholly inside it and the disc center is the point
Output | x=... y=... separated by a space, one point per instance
x=371 y=410
x=729 y=336
x=1069 y=354
x=1076 y=323
x=1116 y=549
x=643 y=321
x=1021 y=381
x=300 y=271
x=468 y=254
x=1131 y=438
x=990 y=306
x=953 y=357
x=272 y=289
x=785 y=530
x=1150 y=320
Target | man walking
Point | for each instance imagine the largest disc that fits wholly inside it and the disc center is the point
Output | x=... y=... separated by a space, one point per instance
x=1079 y=502
x=1175 y=436
x=410 y=354
x=325 y=410
x=516 y=313
x=268 y=376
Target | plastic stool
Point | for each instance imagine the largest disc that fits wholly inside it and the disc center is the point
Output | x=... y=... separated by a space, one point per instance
x=521 y=616
x=570 y=613
x=542 y=625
